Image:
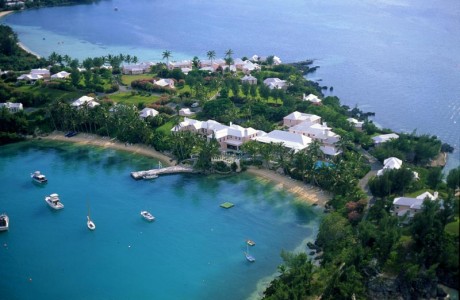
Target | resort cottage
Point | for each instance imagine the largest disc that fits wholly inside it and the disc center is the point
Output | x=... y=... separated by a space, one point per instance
x=357 y=124
x=296 y=118
x=141 y=68
x=312 y=98
x=147 y=112
x=60 y=75
x=165 y=83
x=391 y=163
x=275 y=83
x=405 y=206
x=295 y=142
x=379 y=139
x=186 y=112
x=229 y=137
x=12 y=107
x=85 y=100
x=249 y=79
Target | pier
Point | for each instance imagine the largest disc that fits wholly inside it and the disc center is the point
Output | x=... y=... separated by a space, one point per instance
x=162 y=171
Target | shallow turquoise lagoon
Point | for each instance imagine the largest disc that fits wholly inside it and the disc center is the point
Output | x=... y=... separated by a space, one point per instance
x=194 y=249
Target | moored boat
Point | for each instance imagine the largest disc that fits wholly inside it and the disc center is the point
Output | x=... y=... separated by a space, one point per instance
x=250 y=242
x=150 y=176
x=89 y=223
x=148 y=216
x=249 y=257
x=4 y=222
x=54 y=202
x=38 y=177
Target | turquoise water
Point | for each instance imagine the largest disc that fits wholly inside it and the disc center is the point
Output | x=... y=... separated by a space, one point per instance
x=399 y=59
x=194 y=249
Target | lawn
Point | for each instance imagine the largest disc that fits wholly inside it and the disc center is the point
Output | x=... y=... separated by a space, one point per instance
x=51 y=93
x=452 y=227
x=128 y=98
x=127 y=79
x=166 y=128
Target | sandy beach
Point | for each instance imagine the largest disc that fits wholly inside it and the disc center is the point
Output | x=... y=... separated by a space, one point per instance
x=23 y=47
x=95 y=140
x=4 y=13
x=304 y=192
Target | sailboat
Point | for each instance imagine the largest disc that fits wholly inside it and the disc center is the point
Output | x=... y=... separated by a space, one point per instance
x=249 y=257
x=89 y=222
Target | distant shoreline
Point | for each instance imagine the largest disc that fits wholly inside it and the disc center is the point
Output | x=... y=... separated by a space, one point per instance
x=304 y=192
x=21 y=45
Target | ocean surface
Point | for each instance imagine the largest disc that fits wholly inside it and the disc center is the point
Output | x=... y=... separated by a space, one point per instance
x=193 y=250
x=399 y=59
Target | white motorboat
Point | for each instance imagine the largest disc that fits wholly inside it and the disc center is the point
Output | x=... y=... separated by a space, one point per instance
x=148 y=216
x=249 y=257
x=54 y=202
x=38 y=177
x=150 y=176
x=4 y=222
x=89 y=222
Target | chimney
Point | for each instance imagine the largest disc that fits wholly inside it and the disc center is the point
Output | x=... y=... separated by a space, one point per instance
x=231 y=124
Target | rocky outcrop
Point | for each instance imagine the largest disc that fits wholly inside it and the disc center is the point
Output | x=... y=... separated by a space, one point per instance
x=383 y=287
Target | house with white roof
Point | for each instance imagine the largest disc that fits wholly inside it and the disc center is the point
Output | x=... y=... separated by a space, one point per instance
x=84 y=100
x=249 y=79
x=357 y=124
x=295 y=142
x=312 y=98
x=379 y=139
x=248 y=66
x=410 y=206
x=43 y=72
x=275 y=83
x=60 y=75
x=163 y=82
x=12 y=107
x=148 y=112
x=186 y=70
x=321 y=133
x=229 y=137
x=391 y=163
x=140 y=68
x=296 y=117
x=30 y=77
x=186 y=112
x=180 y=64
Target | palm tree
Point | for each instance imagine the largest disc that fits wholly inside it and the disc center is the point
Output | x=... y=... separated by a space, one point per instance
x=167 y=55
x=135 y=59
x=229 y=53
x=211 y=55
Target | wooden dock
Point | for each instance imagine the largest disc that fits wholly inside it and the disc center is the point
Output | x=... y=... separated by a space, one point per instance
x=162 y=171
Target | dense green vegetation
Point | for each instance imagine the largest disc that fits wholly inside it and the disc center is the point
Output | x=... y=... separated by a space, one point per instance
x=43 y=3
x=357 y=247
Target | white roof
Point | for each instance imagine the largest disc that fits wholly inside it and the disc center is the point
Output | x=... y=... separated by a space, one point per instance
x=85 y=99
x=275 y=83
x=185 y=112
x=40 y=71
x=429 y=195
x=392 y=163
x=298 y=116
x=164 y=82
x=248 y=78
x=10 y=105
x=290 y=140
x=329 y=150
x=62 y=74
x=312 y=98
x=384 y=138
x=147 y=112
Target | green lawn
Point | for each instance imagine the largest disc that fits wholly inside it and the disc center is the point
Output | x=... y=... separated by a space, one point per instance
x=452 y=227
x=51 y=93
x=128 y=98
x=166 y=128
x=127 y=79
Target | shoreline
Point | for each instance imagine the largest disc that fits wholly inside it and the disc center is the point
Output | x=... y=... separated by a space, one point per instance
x=305 y=193
x=94 y=140
x=21 y=45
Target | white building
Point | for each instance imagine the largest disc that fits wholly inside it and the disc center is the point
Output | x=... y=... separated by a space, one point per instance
x=43 y=72
x=164 y=82
x=186 y=112
x=30 y=77
x=60 y=75
x=85 y=100
x=148 y=112
x=296 y=117
x=379 y=139
x=249 y=79
x=229 y=137
x=410 y=206
x=295 y=142
x=141 y=68
x=357 y=124
x=275 y=83
x=312 y=98
x=12 y=107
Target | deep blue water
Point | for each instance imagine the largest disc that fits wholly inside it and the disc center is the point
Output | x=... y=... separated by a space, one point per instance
x=399 y=59
x=193 y=250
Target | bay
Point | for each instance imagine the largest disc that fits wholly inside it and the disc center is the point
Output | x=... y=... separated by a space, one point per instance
x=193 y=250
x=398 y=59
